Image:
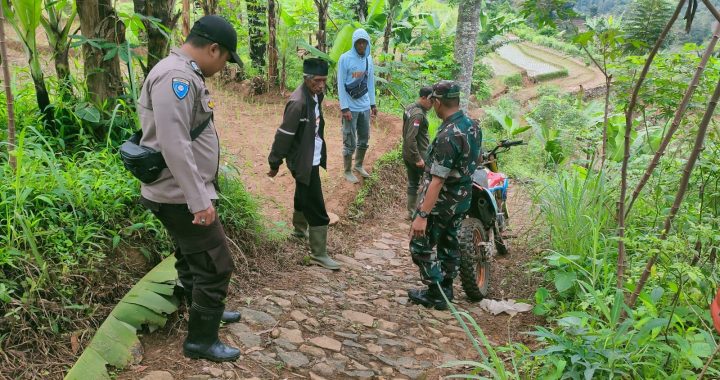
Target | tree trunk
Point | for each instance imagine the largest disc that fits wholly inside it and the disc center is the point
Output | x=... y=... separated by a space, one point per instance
x=8 y=92
x=256 y=10
x=282 y=75
x=322 y=7
x=185 y=17
x=362 y=10
x=209 y=7
x=99 y=21
x=606 y=112
x=468 y=26
x=41 y=92
x=157 y=45
x=272 y=43
x=57 y=31
x=388 y=31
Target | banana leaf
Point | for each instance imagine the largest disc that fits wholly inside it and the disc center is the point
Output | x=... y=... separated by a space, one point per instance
x=146 y=305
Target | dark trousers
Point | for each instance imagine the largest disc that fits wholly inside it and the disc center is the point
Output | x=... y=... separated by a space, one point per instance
x=443 y=233
x=309 y=200
x=204 y=263
x=415 y=175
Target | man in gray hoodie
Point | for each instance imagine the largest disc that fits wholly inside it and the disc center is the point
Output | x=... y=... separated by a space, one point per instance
x=356 y=89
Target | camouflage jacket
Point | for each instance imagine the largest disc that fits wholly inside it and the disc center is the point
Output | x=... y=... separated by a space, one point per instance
x=452 y=155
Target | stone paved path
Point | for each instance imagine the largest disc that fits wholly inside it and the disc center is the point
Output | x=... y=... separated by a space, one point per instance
x=354 y=324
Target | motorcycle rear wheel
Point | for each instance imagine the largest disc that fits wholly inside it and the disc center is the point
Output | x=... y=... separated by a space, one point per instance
x=475 y=258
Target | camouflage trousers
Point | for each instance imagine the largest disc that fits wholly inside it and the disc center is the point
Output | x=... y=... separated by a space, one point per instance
x=443 y=233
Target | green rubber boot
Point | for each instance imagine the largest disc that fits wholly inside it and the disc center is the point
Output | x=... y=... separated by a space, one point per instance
x=300 y=225
x=318 y=248
x=411 y=204
x=359 y=158
x=349 y=176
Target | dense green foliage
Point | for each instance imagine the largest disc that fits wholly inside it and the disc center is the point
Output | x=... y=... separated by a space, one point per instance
x=69 y=208
x=590 y=331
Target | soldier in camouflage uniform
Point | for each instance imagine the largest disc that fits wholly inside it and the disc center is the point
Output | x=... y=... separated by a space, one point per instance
x=444 y=198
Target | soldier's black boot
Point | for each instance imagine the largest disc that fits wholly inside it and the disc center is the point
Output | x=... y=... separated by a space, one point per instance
x=202 y=341
x=227 y=316
x=429 y=297
x=447 y=288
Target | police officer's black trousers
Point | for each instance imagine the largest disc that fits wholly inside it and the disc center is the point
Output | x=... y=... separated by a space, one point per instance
x=309 y=200
x=203 y=263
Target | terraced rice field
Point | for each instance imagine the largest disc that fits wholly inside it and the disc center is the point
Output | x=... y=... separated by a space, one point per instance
x=532 y=65
x=516 y=58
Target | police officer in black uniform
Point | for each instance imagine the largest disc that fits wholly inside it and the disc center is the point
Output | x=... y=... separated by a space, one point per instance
x=175 y=109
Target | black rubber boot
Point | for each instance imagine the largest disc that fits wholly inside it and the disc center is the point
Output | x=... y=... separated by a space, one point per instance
x=429 y=297
x=202 y=341
x=227 y=316
x=447 y=288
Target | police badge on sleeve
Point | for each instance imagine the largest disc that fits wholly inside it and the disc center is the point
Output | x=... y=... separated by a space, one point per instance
x=180 y=87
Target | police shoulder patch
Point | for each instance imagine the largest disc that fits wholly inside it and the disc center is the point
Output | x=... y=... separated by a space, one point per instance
x=180 y=87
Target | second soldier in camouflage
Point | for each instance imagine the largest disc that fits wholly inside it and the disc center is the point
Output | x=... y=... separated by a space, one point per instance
x=444 y=197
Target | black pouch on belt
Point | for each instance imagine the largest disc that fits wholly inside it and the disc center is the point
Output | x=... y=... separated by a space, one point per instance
x=146 y=163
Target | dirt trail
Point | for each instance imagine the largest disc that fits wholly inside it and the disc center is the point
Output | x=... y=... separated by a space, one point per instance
x=247 y=128
x=309 y=322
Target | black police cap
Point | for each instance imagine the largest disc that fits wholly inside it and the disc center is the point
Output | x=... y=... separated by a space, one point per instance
x=218 y=30
x=315 y=66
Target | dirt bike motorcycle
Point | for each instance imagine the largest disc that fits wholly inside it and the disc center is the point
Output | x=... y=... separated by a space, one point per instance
x=480 y=234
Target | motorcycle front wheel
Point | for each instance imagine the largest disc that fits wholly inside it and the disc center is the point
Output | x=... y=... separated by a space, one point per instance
x=475 y=258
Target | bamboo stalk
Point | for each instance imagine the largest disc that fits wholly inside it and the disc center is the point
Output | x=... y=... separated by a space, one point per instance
x=679 y=113
x=626 y=148
x=684 y=181
x=8 y=92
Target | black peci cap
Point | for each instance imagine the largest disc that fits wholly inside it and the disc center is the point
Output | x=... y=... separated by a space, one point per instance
x=218 y=30
x=315 y=66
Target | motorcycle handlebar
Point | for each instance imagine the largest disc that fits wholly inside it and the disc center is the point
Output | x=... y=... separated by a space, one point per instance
x=507 y=144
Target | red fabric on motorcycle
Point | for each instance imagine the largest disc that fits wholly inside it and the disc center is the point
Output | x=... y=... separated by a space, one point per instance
x=715 y=311
x=495 y=179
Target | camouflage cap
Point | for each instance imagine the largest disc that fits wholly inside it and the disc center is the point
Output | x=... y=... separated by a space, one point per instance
x=445 y=89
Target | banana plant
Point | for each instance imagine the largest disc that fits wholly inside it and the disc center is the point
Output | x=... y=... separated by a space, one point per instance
x=374 y=25
x=57 y=28
x=24 y=16
x=510 y=125
x=551 y=142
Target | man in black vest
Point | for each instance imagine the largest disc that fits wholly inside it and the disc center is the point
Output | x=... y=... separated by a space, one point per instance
x=299 y=141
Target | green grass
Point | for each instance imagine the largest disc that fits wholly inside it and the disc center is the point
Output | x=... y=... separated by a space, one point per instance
x=562 y=73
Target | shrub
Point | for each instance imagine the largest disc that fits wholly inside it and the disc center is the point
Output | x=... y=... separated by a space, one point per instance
x=514 y=80
x=550 y=76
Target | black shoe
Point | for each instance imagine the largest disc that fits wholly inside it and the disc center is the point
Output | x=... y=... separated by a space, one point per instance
x=429 y=297
x=230 y=317
x=447 y=288
x=227 y=317
x=202 y=341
